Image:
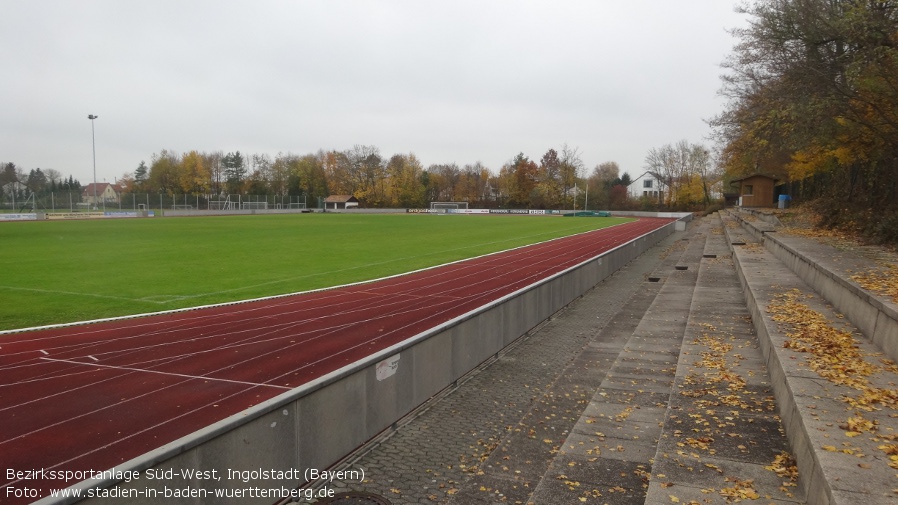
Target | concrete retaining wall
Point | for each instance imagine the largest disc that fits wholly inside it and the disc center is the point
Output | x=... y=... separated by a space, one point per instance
x=314 y=426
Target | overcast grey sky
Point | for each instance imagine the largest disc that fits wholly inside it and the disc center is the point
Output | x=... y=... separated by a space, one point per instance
x=452 y=81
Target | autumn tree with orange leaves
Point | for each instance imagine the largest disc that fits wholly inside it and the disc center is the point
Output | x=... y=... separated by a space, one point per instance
x=813 y=99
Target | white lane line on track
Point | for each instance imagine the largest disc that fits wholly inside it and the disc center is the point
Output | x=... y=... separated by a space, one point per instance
x=255 y=339
x=98 y=448
x=130 y=369
x=75 y=293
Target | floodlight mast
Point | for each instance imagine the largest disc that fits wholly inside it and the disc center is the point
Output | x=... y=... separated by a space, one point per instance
x=93 y=143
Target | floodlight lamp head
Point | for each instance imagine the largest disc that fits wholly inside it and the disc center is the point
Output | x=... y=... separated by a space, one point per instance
x=91 y=116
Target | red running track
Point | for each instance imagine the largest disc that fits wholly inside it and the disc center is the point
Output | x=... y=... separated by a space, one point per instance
x=96 y=395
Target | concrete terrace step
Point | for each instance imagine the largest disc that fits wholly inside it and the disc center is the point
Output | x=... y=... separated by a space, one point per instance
x=721 y=432
x=717 y=245
x=757 y=228
x=493 y=439
x=660 y=427
x=828 y=271
x=841 y=437
x=554 y=455
x=607 y=456
x=735 y=234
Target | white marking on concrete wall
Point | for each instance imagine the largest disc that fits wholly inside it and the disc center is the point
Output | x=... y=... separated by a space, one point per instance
x=387 y=367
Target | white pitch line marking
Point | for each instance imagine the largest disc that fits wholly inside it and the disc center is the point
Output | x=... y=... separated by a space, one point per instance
x=93 y=358
x=165 y=373
x=45 y=352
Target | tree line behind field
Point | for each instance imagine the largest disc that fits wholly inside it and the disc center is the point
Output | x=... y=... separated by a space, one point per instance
x=557 y=180
x=400 y=180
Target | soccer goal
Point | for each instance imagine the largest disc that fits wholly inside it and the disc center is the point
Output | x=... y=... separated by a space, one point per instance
x=254 y=205
x=448 y=205
x=225 y=204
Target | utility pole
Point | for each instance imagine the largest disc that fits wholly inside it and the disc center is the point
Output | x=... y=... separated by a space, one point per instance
x=93 y=143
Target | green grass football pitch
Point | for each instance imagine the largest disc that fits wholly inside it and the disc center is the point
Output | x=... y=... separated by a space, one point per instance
x=64 y=271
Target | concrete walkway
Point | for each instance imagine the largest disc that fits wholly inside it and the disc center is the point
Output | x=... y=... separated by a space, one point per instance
x=722 y=430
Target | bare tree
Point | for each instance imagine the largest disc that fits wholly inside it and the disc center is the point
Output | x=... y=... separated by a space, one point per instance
x=677 y=165
x=571 y=168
